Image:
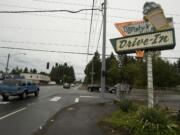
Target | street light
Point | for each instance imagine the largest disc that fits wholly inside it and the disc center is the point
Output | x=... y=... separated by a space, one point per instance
x=8 y=61
x=155 y=15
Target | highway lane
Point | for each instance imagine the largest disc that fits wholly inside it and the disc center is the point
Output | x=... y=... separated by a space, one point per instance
x=23 y=117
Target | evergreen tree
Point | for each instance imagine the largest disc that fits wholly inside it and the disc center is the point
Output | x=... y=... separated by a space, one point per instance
x=96 y=62
x=25 y=70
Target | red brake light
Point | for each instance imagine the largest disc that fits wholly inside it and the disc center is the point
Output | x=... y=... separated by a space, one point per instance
x=19 y=88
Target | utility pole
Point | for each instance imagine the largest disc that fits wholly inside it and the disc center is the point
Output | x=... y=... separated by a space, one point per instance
x=150 y=80
x=103 y=67
x=7 y=65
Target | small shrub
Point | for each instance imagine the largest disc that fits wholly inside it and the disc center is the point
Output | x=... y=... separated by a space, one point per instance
x=154 y=121
x=127 y=106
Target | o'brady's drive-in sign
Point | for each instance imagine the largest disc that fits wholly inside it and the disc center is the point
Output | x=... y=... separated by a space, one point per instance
x=138 y=27
x=161 y=40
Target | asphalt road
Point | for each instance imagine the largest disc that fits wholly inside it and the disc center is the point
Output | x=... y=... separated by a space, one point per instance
x=24 y=117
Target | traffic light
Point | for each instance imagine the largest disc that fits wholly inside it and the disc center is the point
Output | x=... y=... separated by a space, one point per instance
x=47 y=66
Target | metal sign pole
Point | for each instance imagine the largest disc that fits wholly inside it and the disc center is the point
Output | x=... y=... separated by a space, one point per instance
x=150 y=80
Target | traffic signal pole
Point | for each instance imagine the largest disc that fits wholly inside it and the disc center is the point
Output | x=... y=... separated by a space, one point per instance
x=103 y=67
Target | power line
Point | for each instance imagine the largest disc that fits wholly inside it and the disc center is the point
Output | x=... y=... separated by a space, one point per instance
x=49 y=11
x=41 y=29
x=52 y=51
x=65 y=3
x=89 y=40
x=96 y=25
x=111 y=8
x=40 y=50
x=99 y=35
x=42 y=11
x=139 y=11
x=41 y=43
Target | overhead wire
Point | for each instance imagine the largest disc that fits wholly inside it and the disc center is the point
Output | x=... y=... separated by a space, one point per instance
x=44 y=11
x=111 y=8
x=99 y=36
x=41 y=50
x=42 y=43
x=89 y=40
x=65 y=52
x=96 y=25
x=49 y=11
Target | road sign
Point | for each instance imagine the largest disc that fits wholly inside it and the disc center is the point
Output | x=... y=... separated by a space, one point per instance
x=160 y=40
x=138 y=27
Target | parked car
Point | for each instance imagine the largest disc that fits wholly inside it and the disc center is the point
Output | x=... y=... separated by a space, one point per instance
x=18 y=87
x=66 y=85
x=72 y=85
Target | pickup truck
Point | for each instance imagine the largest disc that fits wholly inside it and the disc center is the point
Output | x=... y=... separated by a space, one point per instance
x=96 y=87
x=18 y=87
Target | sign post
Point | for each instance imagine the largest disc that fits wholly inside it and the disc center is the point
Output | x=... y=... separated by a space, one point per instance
x=150 y=80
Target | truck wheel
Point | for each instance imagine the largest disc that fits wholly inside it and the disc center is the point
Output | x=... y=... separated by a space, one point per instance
x=5 y=98
x=23 y=95
x=36 y=93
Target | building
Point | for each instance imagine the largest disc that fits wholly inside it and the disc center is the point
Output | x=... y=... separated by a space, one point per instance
x=37 y=78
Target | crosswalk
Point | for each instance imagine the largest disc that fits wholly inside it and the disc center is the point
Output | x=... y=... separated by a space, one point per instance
x=75 y=99
x=4 y=103
x=55 y=99
x=58 y=98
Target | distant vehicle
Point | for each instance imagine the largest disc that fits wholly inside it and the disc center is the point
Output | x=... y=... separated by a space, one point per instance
x=96 y=87
x=72 y=85
x=122 y=86
x=18 y=87
x=66 y=85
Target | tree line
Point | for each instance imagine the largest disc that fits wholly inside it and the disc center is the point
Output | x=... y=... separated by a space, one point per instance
x=18 y=71
x=62 y=73
x=132 y=70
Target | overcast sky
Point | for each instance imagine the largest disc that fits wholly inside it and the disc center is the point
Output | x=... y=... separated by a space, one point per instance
x=67 y=32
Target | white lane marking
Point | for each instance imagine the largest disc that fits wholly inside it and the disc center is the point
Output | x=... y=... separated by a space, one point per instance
x=3 y=103
x=76 y=100
x=55 y=99
x=89 y=97
x=12 y=113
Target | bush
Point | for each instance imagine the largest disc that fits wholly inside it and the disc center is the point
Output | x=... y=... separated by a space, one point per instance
x=127 y=106
x=154 y=121
x=121 y=119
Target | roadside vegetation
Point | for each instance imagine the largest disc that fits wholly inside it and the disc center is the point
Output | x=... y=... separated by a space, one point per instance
x=124 y=68
x=133 y=119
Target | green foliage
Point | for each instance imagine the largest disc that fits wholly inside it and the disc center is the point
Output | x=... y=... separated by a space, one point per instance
x=127 y=106
x=124 y=68
x=113 y=69
x=62 y=73
x=154 y=121
x=16 y=71
x=143 y=121
x=96 y=61
x=122 y=119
